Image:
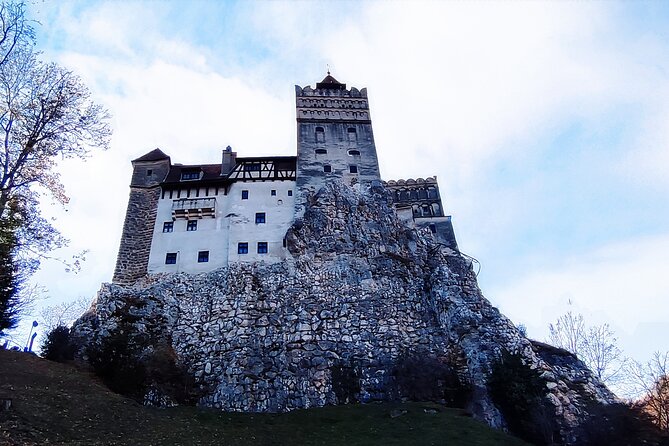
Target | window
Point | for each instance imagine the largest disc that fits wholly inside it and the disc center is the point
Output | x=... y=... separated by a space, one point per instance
x=273 y=192
x=203 y=256
x=354 y=152
x=262 y=247
x=242 y=248
x=320 y=134
x=191 y=225
x=171 y=258
x=149 y=172
x=353 y=169
x=433 y=228
x=320 y=151
x=260 y=217
x=327 y=168
x=252 y=167
x=290 y=193
x=190 y=175
x=352 y=136
x=245 y=195
x=168 y=226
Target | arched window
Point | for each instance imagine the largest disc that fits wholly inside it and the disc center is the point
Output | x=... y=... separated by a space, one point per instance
x=422 y=193
x=432 y=192
x=320 y=134
x=436 y=209
x=427 y=210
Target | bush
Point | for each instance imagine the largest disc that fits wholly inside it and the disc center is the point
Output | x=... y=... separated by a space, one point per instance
x=426 y=377
x=345 y=383
x=618 y=425
x=120 y=361
x=519 y=393
x=57 y=346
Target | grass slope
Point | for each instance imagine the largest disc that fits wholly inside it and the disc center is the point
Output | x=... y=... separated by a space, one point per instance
x=58 y=404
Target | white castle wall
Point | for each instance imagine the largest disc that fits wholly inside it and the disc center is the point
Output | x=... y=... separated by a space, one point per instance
x=233 y=222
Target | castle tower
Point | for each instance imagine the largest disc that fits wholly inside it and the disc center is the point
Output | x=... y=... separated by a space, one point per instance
x=133 y=254
x=334 y=136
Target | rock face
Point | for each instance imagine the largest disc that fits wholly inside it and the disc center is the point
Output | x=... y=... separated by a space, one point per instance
x=361 y=290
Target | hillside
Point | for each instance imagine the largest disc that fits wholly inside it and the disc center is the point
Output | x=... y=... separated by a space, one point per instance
x=56 y=404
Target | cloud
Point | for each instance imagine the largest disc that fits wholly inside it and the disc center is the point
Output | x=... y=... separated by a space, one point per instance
x=619 y=283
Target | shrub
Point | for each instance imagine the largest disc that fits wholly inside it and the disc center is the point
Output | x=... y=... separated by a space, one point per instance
x=519 y=393
x=426 y=377
x=345 y=383
x=120 y=361
x=57 y=346
x=618 y=425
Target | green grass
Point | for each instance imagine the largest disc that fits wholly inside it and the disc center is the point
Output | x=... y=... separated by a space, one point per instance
x=57 y=404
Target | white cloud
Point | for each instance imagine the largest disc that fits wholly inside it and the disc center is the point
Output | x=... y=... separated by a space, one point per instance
x=622 y=284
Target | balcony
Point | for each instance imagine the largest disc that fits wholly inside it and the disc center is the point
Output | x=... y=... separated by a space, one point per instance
x=194 y=208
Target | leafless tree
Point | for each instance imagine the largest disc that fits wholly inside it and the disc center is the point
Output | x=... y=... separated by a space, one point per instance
x=596 y=346
x=649 y=382
x=568 y=332
x=63 y=313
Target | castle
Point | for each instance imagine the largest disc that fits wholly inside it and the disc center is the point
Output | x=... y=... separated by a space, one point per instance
x=197 y=218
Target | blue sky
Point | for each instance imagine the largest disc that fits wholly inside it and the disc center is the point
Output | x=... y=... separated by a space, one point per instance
x=547 y=124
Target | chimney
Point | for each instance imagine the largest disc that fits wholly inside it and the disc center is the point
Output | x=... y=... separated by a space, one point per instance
x=229 y=161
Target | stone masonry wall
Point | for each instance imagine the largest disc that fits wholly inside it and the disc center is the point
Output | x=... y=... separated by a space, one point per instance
x=361 y=290
x=140 y=218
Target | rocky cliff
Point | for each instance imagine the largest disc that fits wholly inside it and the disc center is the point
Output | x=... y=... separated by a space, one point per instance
x=361 y=290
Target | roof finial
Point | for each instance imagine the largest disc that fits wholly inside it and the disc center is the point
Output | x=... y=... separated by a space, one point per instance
x=328 y=65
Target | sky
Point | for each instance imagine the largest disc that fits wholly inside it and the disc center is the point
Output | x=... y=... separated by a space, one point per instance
x=546 y=123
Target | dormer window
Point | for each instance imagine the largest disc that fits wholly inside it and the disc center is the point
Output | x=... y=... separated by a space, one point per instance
x=190 y=174
x=252 y=167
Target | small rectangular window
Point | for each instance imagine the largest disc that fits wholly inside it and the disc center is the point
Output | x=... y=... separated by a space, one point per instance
x=290 y=193
x=252 y=167
x=327 y=168
x=171 y=258
x=353 y=169
x=190 y=175
x=273 y=192
x=191 y=225
x=203 y=256
x=149 y=172
x=168 y=226
x=262 y=247
x=242 y=248
x=260 y=217
x=433 y=228
x=245 y=195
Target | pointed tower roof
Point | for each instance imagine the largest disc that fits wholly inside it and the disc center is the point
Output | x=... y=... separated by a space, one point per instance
x=154 y=155
x=330 y=83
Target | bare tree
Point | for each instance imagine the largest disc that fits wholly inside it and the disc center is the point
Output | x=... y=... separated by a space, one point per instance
x=568 y=332
x=596 y=346
x=599 y=350
x=63 y=313
x=45 y=115
x=649 y=382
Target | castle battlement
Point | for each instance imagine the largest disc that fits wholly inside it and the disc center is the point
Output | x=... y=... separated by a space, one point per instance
x=197 y=218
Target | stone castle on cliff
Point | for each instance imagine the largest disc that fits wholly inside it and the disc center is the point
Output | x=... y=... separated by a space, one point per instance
x=316 y=281
x=197 y=218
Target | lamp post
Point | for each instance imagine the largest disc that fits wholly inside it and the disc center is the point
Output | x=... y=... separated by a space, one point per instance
x=31 y=338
